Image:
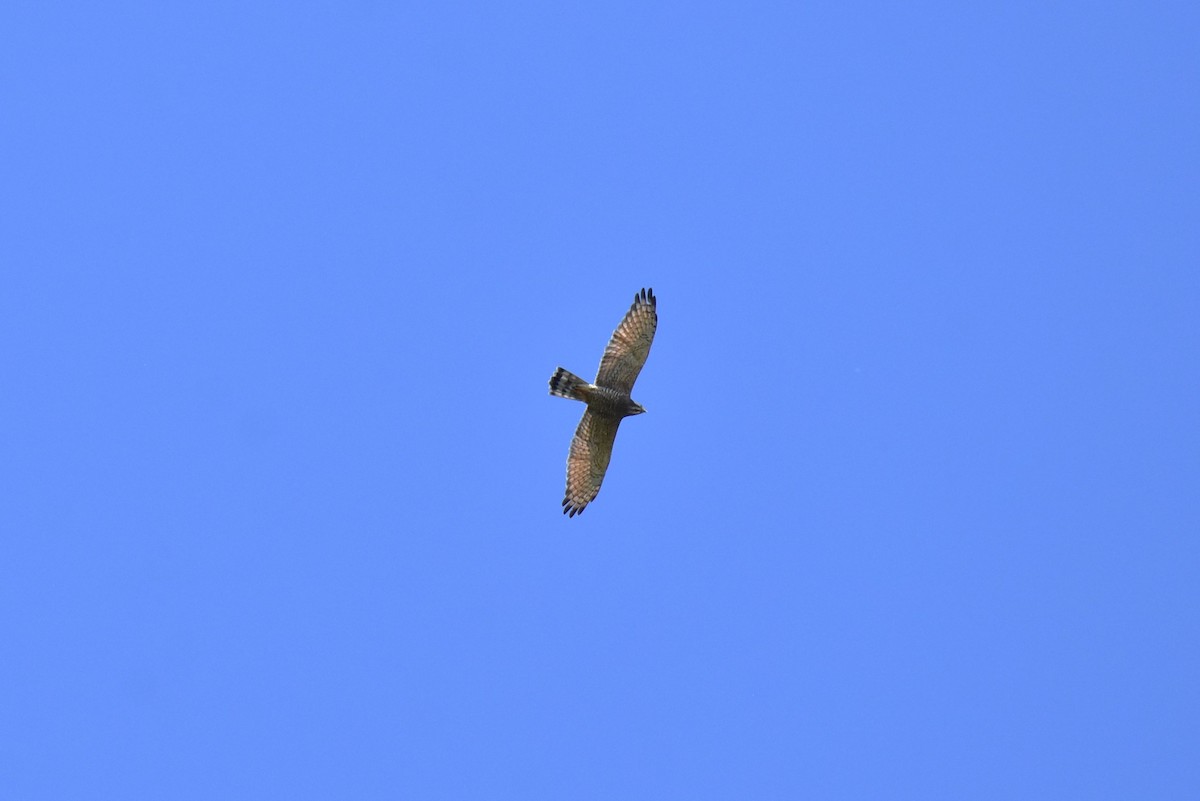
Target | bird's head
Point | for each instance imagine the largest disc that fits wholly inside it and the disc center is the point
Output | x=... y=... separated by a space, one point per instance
x=636 y=408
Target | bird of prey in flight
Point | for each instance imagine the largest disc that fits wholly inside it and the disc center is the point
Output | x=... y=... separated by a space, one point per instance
x=607 y=400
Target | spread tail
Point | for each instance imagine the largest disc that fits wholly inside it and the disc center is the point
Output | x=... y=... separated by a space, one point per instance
x=566 y=384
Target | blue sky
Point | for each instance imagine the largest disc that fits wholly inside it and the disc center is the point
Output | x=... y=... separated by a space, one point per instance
x=914 y=512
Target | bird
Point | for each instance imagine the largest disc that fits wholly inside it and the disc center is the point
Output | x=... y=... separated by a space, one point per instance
x=608 y=400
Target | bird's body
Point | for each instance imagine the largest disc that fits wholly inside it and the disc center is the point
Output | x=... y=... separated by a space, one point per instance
x=608 y=401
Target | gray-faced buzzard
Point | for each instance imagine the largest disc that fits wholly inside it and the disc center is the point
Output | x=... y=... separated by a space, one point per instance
x=607 y=400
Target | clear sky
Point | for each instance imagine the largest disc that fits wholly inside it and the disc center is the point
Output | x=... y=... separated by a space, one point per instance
x=915 y=509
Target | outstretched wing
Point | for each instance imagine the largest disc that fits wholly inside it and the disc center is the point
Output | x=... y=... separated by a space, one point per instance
x=630 y=344
x=591 y=449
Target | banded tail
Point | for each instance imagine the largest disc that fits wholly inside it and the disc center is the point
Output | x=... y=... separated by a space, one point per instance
x=566 y=384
